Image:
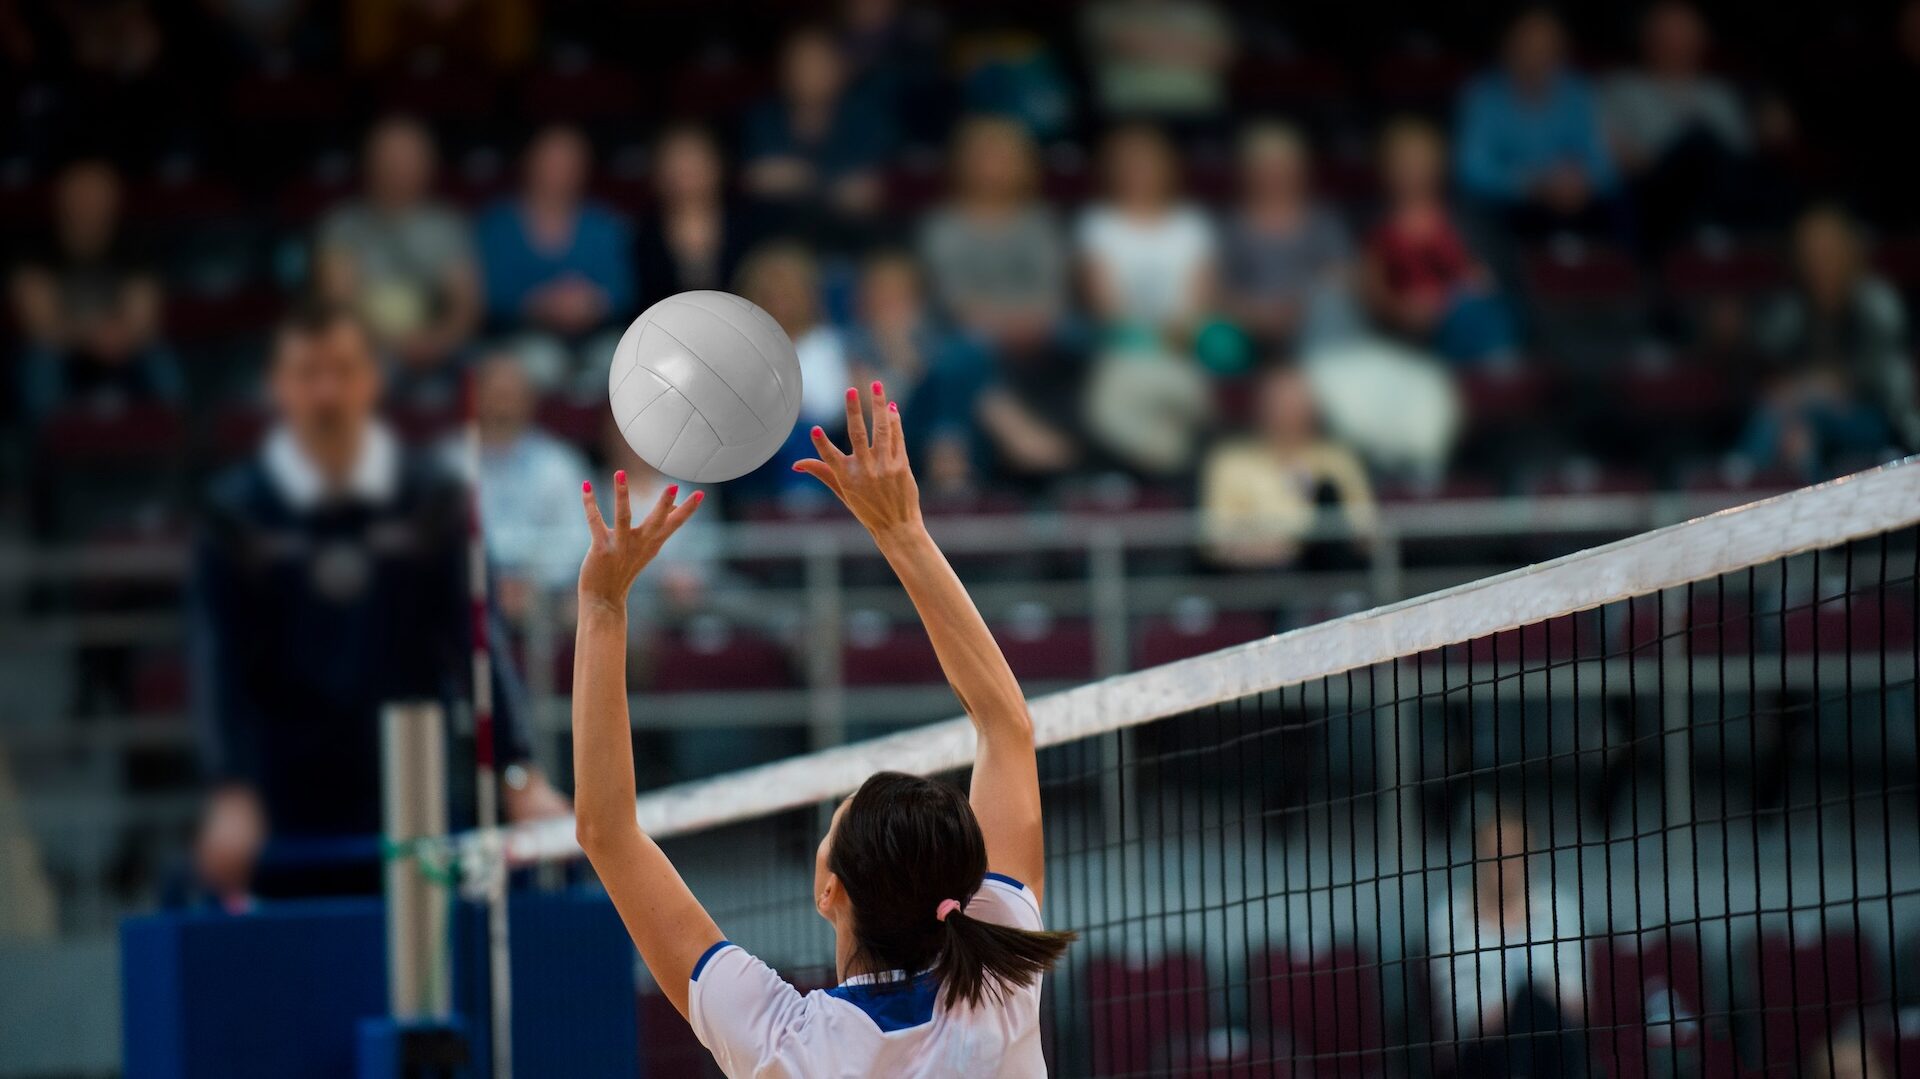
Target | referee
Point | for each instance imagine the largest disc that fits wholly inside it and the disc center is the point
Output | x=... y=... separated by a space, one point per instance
x=330 y=579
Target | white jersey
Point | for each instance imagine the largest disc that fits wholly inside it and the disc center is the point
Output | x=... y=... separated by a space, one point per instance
x=756 y=1025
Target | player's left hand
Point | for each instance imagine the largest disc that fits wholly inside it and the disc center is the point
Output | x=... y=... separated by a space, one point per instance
x=619 y=553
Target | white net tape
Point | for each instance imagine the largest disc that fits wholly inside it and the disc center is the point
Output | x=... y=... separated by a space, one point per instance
x=1832 y=513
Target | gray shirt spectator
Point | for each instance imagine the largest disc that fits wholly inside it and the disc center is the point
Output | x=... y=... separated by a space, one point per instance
x=1016 y=261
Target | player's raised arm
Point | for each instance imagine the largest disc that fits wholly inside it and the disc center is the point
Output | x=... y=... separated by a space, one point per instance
x=875 y=482
x=668 y=925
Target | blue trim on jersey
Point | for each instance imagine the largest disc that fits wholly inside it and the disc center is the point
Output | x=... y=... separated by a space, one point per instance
x=701 y=963
x=1004 y=879
x=892 y=1005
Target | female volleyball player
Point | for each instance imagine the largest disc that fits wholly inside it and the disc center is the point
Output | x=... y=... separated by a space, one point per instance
x=934 y=896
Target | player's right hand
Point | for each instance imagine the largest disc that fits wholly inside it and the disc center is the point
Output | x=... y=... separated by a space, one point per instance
x=617 y=554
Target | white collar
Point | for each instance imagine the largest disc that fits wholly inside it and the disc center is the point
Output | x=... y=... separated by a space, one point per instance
x=882 y=977
x=375 y=475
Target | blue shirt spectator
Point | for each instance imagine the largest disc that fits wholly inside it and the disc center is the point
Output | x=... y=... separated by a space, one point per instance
x=1530 y=132
x=553 y=260
x=816 y=143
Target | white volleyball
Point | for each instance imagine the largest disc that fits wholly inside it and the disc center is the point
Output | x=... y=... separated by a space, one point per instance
x=705 y=386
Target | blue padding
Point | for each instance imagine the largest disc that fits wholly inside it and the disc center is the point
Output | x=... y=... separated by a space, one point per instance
x=1004 y=879
x=701 y=963
x=282 y=991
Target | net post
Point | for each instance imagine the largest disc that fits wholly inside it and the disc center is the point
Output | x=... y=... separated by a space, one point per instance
x=413 y=782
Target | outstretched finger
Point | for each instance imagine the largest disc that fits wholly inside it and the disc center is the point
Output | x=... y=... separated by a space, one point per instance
x=821 y=471
x=622 y=506
x=596 y=524
x=662 y=506
x=829 y=453
x=679 y=514
x=882 y=430
x=896 y=434
x=856 y=425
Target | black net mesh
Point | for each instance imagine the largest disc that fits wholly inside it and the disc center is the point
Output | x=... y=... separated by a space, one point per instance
x=1676 y=835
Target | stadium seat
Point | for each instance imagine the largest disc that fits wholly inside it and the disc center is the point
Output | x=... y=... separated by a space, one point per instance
x=583 y=93
x=1644 y=1001
x=1702 y=271
x=1057 y=651
x=716 y=656
x=1326 y=1003
x=573 y=419
x=139 y=432
x=1163 y=640
x=1145 y=1013
x=1866 y=625
x=1419 y=77
x=1803 y=989
x=889 y=654
x=668 y=1046
x=1580 y=273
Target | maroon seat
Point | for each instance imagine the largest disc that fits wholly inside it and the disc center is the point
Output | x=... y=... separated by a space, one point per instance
x=1588 y=274
x=576 y=421
x=200 y=316
x=899 y=655
x=1062 y=651
x=1675 y=391
x=1146 y=1014
x=1742 y=270
x=1164 y=640
x=1644 y=1000
x=1504 y=395
x=1804 y=988
x=589 y=92
x=1866 y=623
x=719 y=657
x=141 y=432
x=1326 y=1004
x=668 y=1046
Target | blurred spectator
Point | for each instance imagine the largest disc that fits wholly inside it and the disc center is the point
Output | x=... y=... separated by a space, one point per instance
x=1012 y=72
x=1843 y=384
x=816 y=145
x=554 y=262
x=1147 y=255
x=1259 y=496
x=87 y=301
x=936 y=375
x=125 y=95
x=528 y=480
x=893 y=50
x=1148 y=262
x=404 y=261
x=1530 y=144
x=262 y=31
x=1679 y=133
x=1505 y=956
x=1286 y=259
x=441 y=35
x=1847 y=1053
x=695 y=238
x=1164 y=60
x=784 y=280
x=329 y=580
x=1419 y=278
x=994 y=253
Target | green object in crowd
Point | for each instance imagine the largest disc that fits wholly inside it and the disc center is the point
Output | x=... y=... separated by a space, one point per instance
x=1222 y=349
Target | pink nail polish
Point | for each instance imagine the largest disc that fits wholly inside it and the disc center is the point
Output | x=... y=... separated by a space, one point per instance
x=620 y=476
x=672 y=489
x=697 y=496
x=893 y=406
x=852 y=393
x=586 y=487
x=797 y=468
x=817 y=432
x=877 y=388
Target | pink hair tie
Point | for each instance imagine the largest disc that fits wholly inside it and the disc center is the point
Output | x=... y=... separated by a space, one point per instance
x=946 y=907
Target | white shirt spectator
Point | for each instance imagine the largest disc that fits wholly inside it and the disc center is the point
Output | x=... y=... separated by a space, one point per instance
x=530 y=506
x=823 y=375
x=1648 y=114
x=1155 y=268
x=1477 y=968
x=889 y=1024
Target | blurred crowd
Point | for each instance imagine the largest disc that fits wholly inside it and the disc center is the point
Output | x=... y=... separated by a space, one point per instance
x=1176 y=242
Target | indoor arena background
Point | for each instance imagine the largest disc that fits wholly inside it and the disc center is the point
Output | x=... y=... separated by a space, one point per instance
x=1212 y=320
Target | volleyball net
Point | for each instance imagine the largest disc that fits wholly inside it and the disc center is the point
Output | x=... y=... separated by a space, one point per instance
x=1649 y=809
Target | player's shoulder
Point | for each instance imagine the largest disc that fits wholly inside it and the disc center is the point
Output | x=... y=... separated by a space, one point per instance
x=1004 y=900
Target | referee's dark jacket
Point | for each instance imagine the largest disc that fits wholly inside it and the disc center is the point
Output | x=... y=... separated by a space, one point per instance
x=310 y=611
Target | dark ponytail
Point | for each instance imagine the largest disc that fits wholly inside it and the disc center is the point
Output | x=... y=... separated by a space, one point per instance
x=902 y=848
x=983 y=961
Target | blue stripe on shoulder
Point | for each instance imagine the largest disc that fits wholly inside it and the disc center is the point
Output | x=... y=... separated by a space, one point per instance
x=892 y=1006
x=701 y=964
x=1009 y=881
